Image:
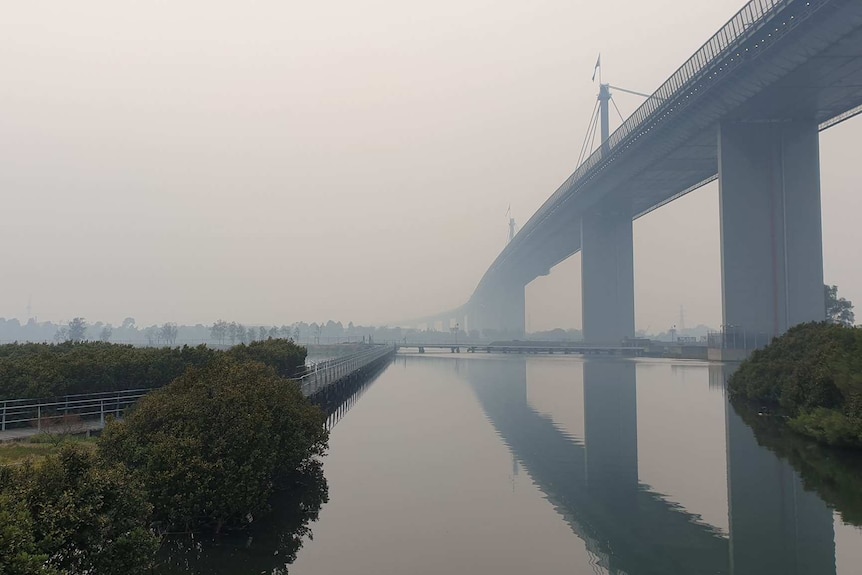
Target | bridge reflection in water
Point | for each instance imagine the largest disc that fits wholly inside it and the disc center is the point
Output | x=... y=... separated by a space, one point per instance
x=776 y=527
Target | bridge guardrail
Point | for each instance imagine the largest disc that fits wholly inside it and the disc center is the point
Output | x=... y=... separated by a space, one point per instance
x=330 y=371
x=67 y=410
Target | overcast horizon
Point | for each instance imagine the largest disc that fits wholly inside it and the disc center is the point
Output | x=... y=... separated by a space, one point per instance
x=273 y=162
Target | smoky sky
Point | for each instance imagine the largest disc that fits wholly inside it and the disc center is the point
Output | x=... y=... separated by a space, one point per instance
x=276 y=161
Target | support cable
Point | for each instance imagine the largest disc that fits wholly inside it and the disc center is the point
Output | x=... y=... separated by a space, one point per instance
x=593 y=118
x=593 y=140
x=592 y=145
x=591 y=130
x=588 y=135
x=618 y=110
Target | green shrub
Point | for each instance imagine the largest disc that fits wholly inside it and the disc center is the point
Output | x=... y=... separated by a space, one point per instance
x=213 y=446
x=829 y=426
x=812 y=373
x=82 y=516
x=18 y=552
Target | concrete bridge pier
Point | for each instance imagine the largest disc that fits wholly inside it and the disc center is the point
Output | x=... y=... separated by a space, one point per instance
x=512 y=306
x=607 y=274
x=771 y=236
x=500 y=314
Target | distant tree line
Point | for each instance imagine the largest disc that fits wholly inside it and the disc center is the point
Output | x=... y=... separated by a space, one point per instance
x=220 y=332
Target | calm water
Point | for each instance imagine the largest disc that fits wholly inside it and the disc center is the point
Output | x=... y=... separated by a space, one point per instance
x=510 y=465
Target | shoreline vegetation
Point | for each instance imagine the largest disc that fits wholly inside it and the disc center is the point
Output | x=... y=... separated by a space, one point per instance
x=208 y=453
x=811 y=375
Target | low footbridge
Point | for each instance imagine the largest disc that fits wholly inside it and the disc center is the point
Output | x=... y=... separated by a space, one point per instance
x=84 y=413
x=746 y=109
x=527 y=348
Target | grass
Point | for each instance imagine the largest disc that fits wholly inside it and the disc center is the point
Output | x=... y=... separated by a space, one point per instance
x=38 y=447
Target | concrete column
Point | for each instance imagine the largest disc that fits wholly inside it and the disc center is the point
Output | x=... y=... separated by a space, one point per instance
x=500 y=314
x=776 y=526
x=607 y=275
x=610 y=433
x=771 y=236
x=512 y=306
x=479 y=314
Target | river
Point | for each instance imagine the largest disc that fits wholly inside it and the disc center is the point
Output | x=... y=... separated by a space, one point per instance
x=507 y=464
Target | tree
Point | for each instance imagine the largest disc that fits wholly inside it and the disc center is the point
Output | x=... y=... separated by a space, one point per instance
x=219 y=330
x=106 y=333
x=153 y=334
x=87 y=517
x=128 y=323
x=17 y=541
x=77 y=329
x=283 y=355
x=213 y=446
x=62 y=334
x=169 y=333
x=838 y=310
x=241 y=333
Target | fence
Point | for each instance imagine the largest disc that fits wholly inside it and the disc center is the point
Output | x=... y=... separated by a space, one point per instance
x=68 y=411
x=735 y=338
x=327 y=372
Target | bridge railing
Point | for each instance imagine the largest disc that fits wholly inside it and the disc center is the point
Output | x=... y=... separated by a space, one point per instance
x=328 y=372
x=66 y=411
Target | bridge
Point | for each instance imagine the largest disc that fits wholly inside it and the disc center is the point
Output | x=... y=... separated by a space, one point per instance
x=327 y=384
x=746 y=109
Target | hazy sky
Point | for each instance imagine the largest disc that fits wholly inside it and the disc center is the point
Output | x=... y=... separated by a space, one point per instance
x=274 y=161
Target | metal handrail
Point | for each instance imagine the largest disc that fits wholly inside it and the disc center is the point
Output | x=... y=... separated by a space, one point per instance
x=14 y=415
x=75 y=396
x=331 y=371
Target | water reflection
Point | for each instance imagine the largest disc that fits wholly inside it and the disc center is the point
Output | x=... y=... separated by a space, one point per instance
x=269 y=546
x=776 y=526
x=835 y=474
